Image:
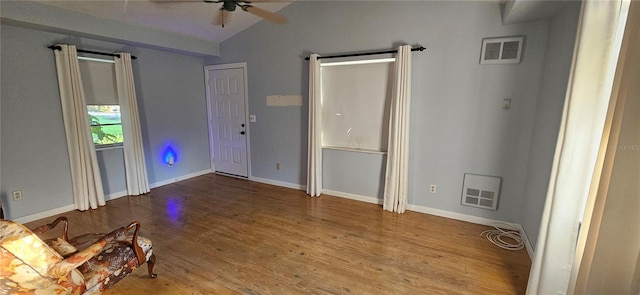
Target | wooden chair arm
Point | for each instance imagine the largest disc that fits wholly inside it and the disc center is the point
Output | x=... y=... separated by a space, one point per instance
x=74 y=261
x=134 y=242
x=45 y=228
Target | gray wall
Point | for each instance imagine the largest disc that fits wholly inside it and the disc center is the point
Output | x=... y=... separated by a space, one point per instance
x=363 y=180
x=562 y=30
x=34 y=159
x=34 y=149
x=457 y=124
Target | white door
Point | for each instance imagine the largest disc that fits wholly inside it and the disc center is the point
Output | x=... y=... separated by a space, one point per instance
x=227 y=125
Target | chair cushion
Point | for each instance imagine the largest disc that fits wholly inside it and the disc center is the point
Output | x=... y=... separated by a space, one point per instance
x=116 y=261
x=61 y=246
x=26 y=246
x=24 y=263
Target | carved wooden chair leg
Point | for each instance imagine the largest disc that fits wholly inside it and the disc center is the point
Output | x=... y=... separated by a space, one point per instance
x=150 y=264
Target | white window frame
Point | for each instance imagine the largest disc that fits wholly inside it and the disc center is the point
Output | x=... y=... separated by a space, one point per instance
x=99 y=147
x=357 y=62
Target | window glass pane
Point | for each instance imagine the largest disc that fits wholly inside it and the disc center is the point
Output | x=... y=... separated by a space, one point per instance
x=106 y=124
x=355 y=105
x=98 y=82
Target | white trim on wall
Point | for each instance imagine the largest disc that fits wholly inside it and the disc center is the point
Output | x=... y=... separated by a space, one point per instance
x=113 y=196
x=278 y=183
x=441 y=213
x=410 y=207
x=525 y=240
x=45 y=214
x=456 y=216
x=473 y=219
x=180 y=178
x=367 y=199
x=361 y=198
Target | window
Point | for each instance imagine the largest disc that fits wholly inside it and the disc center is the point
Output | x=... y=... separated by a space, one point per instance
x=355 y=104
x=98 y=81
x=106 y=124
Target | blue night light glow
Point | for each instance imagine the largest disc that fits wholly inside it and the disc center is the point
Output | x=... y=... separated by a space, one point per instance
x=174 y=208
x=169 y=156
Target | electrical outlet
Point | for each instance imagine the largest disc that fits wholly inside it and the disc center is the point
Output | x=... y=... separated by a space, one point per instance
x=17 y=195
x=277 y=166
x=432 y=189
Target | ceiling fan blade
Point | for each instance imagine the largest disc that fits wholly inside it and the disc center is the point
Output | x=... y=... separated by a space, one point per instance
x=268 y=15
x=255 y=1
x=221 y=18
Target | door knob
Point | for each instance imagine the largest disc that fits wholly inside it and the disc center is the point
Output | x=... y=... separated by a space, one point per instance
x=242 y=125
x=241 y=132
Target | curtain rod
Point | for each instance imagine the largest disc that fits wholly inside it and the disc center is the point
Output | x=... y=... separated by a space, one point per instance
x=54 y=47
x=421 y=48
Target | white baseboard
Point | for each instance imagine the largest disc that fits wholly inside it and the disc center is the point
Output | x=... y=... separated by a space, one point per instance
x=373 y=200
x=474 y=219
x=180 y=178
x=351 y=196
x=124 y=193
x=278 y=183
x=45 y=214
x=113 y=196
x=456 y=216
x=116 y=195
x=427 y=210
x=525 y=239
x=410 y=207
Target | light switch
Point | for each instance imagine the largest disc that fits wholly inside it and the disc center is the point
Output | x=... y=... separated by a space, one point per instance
x=252 y=118
x=506 y=104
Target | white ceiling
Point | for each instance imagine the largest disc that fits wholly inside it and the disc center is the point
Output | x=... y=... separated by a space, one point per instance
x=192 y=17
x=183 y=27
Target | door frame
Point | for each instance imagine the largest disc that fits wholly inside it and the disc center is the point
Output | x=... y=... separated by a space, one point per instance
x=243 y=66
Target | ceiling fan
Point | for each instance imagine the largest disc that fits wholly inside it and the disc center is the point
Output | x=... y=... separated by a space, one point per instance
x=229 y=6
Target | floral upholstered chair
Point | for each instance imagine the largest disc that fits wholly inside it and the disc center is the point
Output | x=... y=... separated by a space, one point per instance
x=87 y=264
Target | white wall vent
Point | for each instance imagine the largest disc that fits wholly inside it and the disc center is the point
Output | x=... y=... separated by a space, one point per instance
x=481 y=191
x=503 y=50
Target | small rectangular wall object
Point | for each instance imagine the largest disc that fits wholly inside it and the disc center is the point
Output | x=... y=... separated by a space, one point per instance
x=502 y=50
x=481 y=191
x=284 y=100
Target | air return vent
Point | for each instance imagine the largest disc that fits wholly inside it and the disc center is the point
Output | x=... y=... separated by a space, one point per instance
x=503 y=50
x=481 y=191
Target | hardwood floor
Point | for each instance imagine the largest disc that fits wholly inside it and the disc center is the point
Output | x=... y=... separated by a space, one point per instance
x=218 y=235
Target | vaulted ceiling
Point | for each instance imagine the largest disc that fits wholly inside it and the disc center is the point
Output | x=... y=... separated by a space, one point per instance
x=183 y=26
x=191 y=17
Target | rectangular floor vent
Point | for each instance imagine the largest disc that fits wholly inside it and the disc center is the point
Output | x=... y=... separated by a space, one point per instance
x=481 y=191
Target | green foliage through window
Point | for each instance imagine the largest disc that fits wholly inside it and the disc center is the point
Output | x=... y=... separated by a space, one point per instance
x=106 y=124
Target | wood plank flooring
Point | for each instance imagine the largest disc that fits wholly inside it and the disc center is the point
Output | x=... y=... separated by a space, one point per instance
x=218 y=235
